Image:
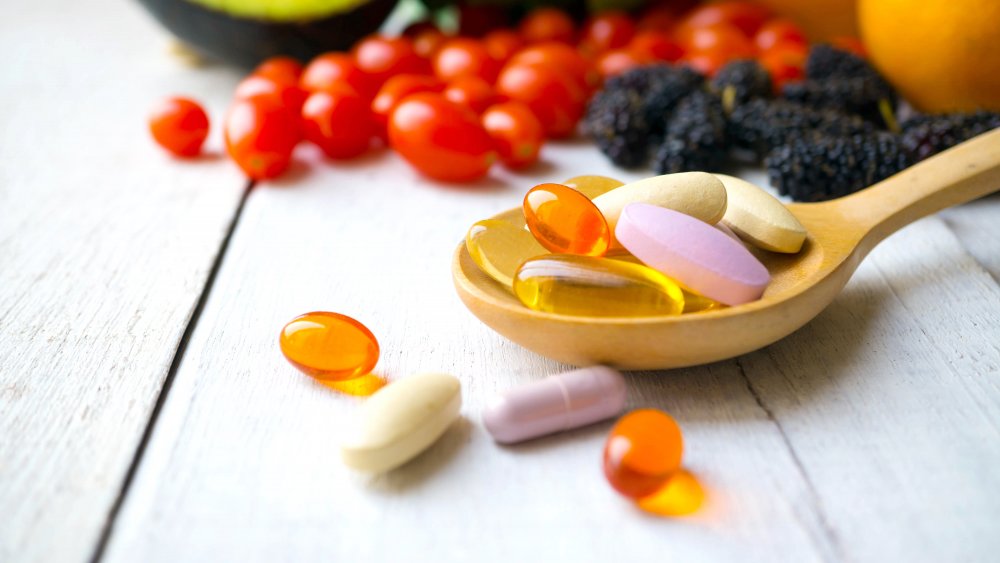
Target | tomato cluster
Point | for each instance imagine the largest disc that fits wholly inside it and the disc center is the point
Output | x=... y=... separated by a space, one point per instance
x=452 y=105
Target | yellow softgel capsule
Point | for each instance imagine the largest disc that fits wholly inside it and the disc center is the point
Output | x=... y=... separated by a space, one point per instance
x=593 y=185
x=595 y=287
x=499 y=247
x=694 y=303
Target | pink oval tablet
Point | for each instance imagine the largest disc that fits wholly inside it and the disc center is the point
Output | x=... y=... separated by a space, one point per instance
x=559 y=402
x=692 y=252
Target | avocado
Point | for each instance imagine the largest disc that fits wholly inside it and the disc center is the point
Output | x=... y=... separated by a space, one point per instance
x=245 y=32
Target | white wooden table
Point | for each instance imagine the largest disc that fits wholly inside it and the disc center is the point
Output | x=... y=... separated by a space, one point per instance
x=147 y=415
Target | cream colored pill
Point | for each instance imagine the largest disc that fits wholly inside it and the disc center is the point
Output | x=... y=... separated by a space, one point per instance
x=698 y=194
x=759 y=218
x=401 y=420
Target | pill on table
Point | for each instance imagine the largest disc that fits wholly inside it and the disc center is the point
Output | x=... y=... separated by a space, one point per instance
x=696 y=254
x=563 y=220
x=698 y=194
x=593 y=185
x=556 y=403
x=499 y=247
x=595 y=287
x=642 y=451
x=401 y=420
x=329 y=346
x=759 y=218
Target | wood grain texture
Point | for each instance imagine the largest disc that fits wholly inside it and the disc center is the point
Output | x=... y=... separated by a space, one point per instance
x=976 y=225
x=105 y=244
x=865 y=436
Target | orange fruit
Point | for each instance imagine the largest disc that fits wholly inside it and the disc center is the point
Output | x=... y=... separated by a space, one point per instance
x=942 y=55
x=822 y=20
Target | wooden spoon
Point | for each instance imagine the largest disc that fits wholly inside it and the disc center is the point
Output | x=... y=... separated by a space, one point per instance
x=841 y=233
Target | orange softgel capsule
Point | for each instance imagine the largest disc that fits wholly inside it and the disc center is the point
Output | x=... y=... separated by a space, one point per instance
x=329 y=346
x=565 y=221
x=642 y=452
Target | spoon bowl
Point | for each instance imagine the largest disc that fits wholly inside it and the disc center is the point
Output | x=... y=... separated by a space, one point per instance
x=841 y=233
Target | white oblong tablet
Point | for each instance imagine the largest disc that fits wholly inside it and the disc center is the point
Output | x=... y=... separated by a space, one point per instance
x=698 y=194
x=696 y=254
x=401 y=420
x=760 y=218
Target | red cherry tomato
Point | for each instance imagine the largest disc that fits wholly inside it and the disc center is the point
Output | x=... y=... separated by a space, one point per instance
x=516 y=133
x=397 y=88
x=329 y=69
x=606 y=31
x=260 y=136
x=785 y=63
x=746 y=16
x=472 y=92
x=655 y=46
x=283 y=70
x=705 y=62
x=547 y=24
x=657 y=18
x=722 y=38
x=338 y=121
x=554 y=96
x=443 y=140
x=465 y=57
x=617 y=61
x=566 y=59
x=427 y=42
x=256 y=85
x=776 y=32
x=382 y=57
x=179 y=125
x=502 y=44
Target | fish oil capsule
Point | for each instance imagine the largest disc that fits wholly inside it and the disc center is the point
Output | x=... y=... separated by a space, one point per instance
x=560 y=402
x=643 y=450
x=595 y=287
x=499 y=247
x=593 y=185
x=563 y=220
x=329 y=346
x=693 y=302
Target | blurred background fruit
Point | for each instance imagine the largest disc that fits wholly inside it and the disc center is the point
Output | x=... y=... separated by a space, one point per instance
x=245 y=32
x=822 y=20
x=943 y=55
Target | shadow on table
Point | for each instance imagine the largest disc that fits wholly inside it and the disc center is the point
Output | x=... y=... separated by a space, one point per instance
x=426 y=465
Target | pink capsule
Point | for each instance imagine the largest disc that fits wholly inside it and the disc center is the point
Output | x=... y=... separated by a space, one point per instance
x=556 y=403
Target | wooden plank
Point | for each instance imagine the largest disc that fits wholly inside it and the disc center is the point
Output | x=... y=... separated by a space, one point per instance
x=243 y=463
x=976 y=225
x=891 y=402
x=105 y=244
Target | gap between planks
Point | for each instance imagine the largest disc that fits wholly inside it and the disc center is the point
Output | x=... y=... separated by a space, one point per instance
x=109 y=522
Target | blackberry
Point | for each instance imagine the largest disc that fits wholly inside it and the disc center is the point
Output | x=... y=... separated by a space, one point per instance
x=661 y=87
x=740 y=81
x=819 y=167
x=826 y=61
x=695 y=136
x=761 y=125
x=616 y=121
x=926 y=135
x=843 y=81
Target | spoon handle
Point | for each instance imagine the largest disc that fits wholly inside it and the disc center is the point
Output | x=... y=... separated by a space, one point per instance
x=963 y=173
